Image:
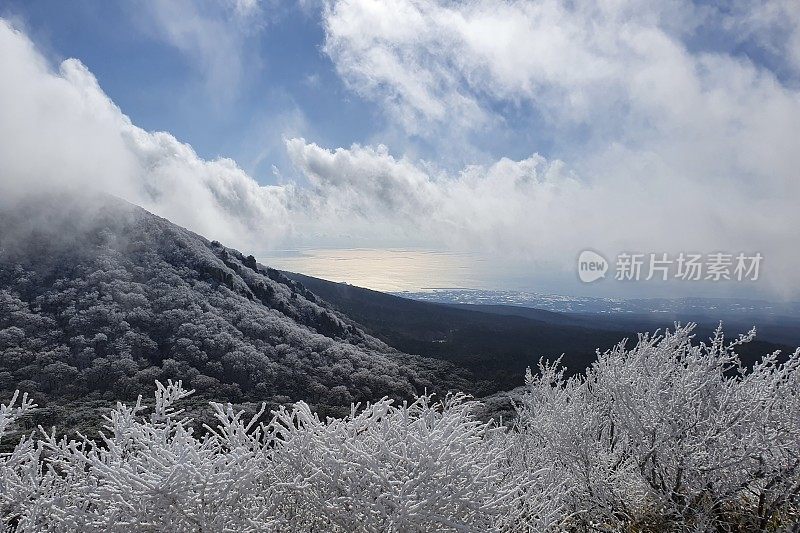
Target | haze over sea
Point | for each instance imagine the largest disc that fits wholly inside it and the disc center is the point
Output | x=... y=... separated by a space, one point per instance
x=393 y=270
x=418 y=271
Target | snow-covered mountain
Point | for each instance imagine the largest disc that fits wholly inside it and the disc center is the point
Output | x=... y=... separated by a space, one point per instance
x=98 y=298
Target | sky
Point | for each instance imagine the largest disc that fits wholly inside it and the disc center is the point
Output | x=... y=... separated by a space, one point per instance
x=520 y=132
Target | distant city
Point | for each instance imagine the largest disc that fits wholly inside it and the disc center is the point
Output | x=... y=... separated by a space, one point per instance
x=577 y=304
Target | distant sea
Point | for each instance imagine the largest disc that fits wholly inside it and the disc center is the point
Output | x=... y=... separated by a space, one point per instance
x=471 y=278
x=389 y=270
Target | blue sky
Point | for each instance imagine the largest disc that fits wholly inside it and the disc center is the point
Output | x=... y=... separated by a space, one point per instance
x=288 y=86
x=521 y=131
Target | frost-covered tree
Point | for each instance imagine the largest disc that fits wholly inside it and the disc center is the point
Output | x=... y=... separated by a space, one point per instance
x=100 y=298
x=669 y=435
x=415 y=467
x=424 y=466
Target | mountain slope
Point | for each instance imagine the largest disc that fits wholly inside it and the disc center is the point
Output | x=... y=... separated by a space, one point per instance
x=496 y=346
x=774 y=333
x=98 y=298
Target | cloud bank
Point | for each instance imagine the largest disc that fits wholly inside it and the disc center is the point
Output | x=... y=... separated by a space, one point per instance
x=58 y=129
x=677 y=121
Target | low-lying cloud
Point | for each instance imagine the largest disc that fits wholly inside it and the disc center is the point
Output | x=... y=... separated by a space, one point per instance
x=676 y=121
x=59 y=129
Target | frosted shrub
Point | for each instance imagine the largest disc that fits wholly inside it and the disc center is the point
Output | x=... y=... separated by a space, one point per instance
x=148 y=474
x=417 y=467
x=668 y=435
x=153 y=474
x=21 y=469
x=427 y=466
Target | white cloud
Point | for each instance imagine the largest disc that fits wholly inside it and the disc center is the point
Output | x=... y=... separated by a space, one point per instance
x=58 y=128
x=213 y=35
x=774 y=26
x=672 y=140
x=247 y=8
x=444 y=64
x=538 y=213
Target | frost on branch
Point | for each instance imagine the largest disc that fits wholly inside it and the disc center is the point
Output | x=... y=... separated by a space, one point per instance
x=669 y=435
x=415 y=467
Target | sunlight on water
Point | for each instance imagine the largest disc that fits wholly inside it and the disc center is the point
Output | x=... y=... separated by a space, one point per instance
x=387 y=270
